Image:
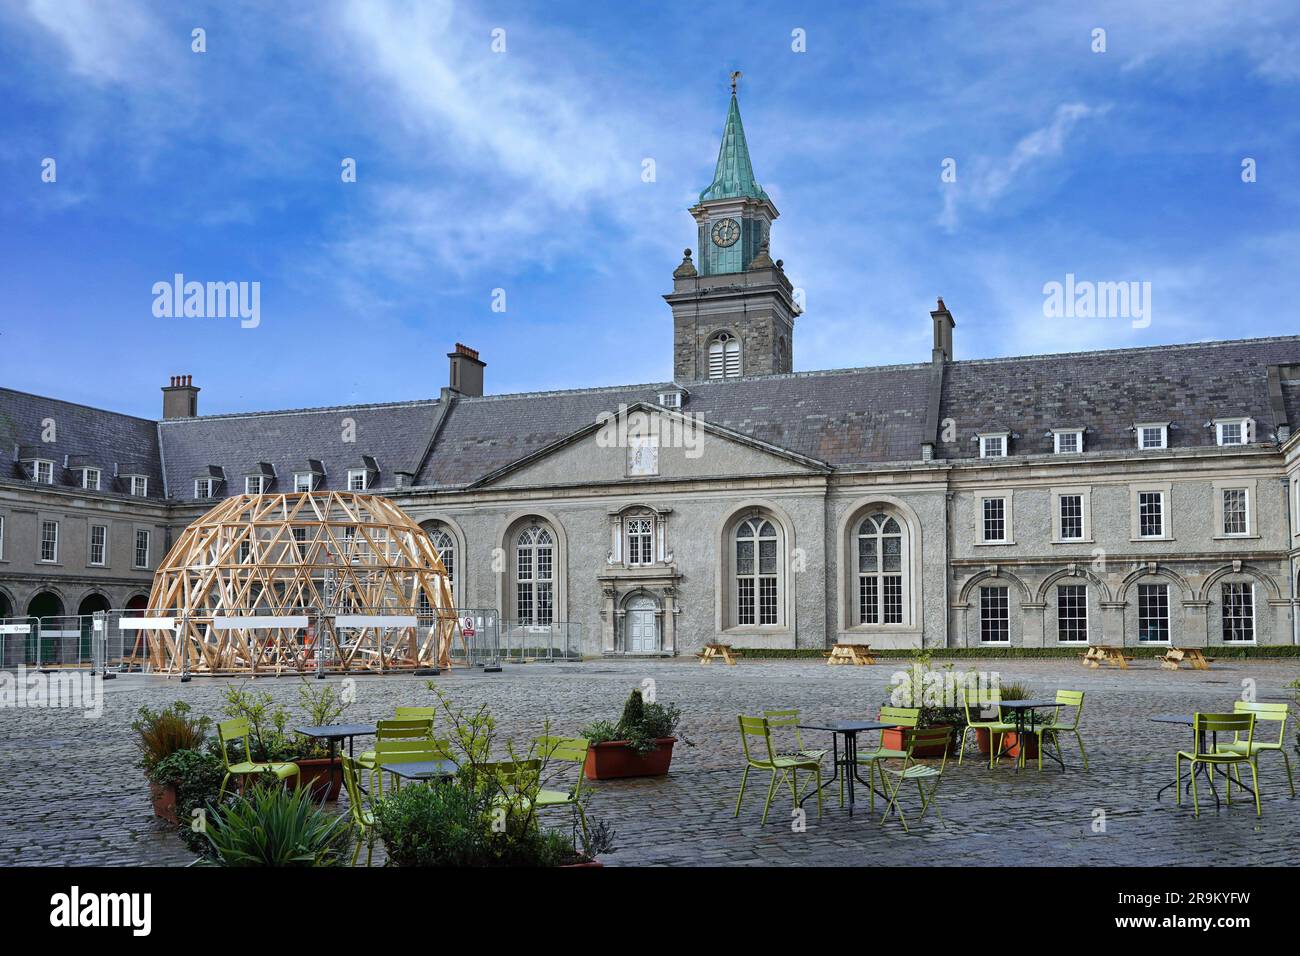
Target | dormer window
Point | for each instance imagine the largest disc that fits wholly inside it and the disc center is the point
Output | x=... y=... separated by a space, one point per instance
x=304 y=481
x=43 y=471
x=90 y=478
x=1152 y=435
x=1067 y=441
x=254 y=484
x=671 y=399
x=139 y=485
x=1232 y=431
x=994 y=444
x=205 y=488
x=358 y=479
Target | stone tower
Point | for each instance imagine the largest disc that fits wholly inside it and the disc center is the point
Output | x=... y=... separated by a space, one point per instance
x=733 y=313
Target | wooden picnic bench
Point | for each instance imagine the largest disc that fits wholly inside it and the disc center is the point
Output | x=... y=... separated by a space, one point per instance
x=850 y=654
x=713 y=652
x=1099 y=654
x=1175 y=657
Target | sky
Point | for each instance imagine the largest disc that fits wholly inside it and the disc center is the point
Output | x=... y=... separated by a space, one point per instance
x=500 y=153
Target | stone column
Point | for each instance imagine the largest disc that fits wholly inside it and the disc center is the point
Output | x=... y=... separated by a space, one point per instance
x=1196 y=624
x=1033 y=621
x=1112 y=622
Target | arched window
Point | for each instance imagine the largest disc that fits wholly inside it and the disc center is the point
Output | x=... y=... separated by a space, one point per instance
x=534 y=575
x=724 y=356
x=640 y=539
x=881 y=576
x=445 y=545
x=758 y=572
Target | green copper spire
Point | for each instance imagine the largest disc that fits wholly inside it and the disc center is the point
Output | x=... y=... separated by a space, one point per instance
x=734 y=176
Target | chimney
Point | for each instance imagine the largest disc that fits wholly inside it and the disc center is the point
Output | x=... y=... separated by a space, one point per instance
x=943 y=326
x=466 y=371
x=180 y=398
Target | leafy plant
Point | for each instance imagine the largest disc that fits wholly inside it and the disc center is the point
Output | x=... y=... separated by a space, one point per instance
x=196 y=775
x=641 y=725
x=321 y=702
x=1016 y=691
x=161 y=733
x=272 y=826
x=268 y=722
x=933 y=691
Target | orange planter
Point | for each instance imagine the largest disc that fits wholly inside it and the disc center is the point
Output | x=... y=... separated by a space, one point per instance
x=614 y=759
x=325 y=782
x=163 y=797
x=893 y=739
x=1011 y=746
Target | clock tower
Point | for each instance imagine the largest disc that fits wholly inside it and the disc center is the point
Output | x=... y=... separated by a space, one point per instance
x=733 y=314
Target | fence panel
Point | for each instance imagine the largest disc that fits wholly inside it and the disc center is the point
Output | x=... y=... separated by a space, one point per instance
x=557 y=641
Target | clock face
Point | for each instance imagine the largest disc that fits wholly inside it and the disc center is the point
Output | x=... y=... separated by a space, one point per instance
x=726 y=232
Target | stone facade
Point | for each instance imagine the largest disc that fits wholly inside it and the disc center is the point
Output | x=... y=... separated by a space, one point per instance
x=935 y=504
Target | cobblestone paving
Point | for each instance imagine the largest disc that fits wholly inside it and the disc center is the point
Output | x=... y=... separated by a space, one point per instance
x=69 y=792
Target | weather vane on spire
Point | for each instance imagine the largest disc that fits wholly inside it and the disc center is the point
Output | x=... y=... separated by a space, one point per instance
x=735 y=75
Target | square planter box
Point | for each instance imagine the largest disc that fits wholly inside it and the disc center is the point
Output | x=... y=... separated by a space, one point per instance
x=614 y=759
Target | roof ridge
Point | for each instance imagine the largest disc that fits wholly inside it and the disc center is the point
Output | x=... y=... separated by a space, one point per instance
x=64 y=401
x=1167 y=347
x=313 y=410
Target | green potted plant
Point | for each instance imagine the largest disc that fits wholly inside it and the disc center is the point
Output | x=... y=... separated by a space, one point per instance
x=639 y=745
x=159 y=735
x=323 y=705
x=271 y=826
x=927 y=689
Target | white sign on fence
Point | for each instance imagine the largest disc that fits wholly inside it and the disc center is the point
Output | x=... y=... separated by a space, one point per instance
x=147 y=624
x=289 y=620
x=375 y=620
x=15 y=628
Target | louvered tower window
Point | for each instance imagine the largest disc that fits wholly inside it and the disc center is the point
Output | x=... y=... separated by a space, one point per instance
x=724 y=356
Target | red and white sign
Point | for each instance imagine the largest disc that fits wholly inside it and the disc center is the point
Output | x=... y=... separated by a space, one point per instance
x=467 y=627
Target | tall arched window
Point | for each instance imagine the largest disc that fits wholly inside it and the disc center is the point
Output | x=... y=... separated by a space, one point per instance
x=881 y=577
x=724 y=356
x=758 y=572
x=534 y=575
x=445 y=545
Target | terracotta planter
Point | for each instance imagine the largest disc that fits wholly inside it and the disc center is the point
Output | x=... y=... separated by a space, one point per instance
x=893 y=739
x=982 y=740
x=316 y=773
x=614 y=758
x=1011 y=746
x=163 y=796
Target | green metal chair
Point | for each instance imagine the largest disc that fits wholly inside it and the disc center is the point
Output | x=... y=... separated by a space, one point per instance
x=401 y=728
x=973 y=701
x=565 y=750
x=389 y=752
x=919 y=773
x=363 y=818
x=781 y=768
x=232 y=731
x=1206 y=724
x=416 y=713
x=789 y=719
x=1055 y=727
x=905 y=717
x=1262 y=712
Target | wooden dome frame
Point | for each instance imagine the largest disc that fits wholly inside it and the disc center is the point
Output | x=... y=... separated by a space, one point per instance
x=314 y=555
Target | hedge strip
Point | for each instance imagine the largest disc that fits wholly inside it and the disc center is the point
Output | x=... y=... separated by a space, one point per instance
x=1268 y=652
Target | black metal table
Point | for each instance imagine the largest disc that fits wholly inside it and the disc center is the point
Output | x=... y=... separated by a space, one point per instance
x=422 y=769
x=1207 y=770
x=849 y=729
x=1019 y=709
x=334 y=733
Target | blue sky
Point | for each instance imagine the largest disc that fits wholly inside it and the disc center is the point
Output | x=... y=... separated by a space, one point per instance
x=522 y=171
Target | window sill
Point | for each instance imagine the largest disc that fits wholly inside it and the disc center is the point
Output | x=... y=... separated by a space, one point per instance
x=1073 y=541
x=1140 y=540
x=986 y=544
x=1236 y=537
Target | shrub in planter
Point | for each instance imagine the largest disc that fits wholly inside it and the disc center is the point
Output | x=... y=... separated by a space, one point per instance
x=639 y=745
x=272 y=826
x=159 y=735
x=193 y=780
x=933 y=692
x=322 y=704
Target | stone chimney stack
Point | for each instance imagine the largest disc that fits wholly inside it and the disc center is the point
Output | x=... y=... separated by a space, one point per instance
x=466 y=371
x=180 y=398
x=943 y=326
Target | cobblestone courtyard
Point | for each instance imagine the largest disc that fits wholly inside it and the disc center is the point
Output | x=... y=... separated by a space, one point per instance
x=71 y=794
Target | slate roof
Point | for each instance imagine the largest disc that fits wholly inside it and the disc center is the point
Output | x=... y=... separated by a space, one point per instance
x=394 y=435
x=846 y=417
x=1110 y=391
x=83 y=435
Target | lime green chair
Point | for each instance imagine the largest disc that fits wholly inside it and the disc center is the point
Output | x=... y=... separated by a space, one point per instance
x=401 y=728
x=789 y=719
x=363 y=818
x=918 y=773
x=781 y=768
x=417 y=713
x=571 y=750
x=1263 y=712
x=389 y=752
x=905 y=717
x=974 y=700
x=1240 y=726
x=1055 y=726
x=233 y=731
